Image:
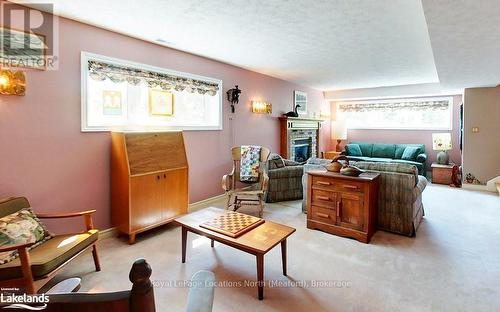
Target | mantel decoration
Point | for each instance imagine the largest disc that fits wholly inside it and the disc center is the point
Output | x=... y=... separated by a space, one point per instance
x=293 y=113
x=442 y=142
x=101 y=71
x=233 y=96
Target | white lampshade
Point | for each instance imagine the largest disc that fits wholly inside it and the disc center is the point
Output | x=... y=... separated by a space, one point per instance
x=339 y=130
x=441 y=141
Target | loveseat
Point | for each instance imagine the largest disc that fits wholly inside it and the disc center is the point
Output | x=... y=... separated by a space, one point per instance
x=388 y=153
x=285 y=179
x=400 y=208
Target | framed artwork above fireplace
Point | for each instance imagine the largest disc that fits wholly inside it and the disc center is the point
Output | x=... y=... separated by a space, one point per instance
x=300 y=98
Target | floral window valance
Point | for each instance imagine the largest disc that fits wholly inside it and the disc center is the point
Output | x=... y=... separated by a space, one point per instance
x=101 y=71
x=415 y=105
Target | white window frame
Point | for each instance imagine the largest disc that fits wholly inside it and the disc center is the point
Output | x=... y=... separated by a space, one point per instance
x=86 y=56
x=446 y=128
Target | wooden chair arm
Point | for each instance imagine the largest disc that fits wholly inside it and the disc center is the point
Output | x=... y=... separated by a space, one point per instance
x=64 y=215
x=16 y=247
x=227 y=182
x=265 y=181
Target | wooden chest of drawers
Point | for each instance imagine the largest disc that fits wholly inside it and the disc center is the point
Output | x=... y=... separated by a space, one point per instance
x=343 y=205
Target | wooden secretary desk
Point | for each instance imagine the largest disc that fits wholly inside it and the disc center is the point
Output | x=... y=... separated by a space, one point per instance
x=149 y=180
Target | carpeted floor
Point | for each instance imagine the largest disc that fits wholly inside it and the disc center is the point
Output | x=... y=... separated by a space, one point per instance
x=452 y=265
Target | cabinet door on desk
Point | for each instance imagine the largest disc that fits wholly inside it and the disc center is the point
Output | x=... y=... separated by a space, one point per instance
x=176 y=194
x=145 y=200
x=350 y=210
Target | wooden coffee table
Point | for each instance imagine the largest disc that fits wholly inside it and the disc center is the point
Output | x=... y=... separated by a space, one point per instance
x=257 y=241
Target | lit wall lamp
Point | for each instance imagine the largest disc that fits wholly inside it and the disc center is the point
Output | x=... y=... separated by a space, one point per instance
x=12 y=82
x=260 y=107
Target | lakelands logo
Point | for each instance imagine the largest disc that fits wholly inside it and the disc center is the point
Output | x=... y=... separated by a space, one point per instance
x=24 y=301
x=28 y=36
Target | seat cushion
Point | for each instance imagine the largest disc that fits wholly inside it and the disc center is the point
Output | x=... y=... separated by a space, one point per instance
x=383 y=150
x=378 y=159
x=357 y=158
x=50 y=255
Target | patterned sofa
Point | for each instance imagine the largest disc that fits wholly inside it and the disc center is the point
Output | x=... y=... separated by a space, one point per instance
x=285 y=179
x=400 y=208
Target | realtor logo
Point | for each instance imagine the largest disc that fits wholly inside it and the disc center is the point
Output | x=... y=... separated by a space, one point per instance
x=28 y=36
x=23 y=301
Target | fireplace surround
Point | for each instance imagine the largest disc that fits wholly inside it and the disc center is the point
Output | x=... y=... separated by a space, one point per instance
x=299 y=138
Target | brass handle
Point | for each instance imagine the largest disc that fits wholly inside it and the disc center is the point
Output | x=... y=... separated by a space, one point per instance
x=350 y=186
x=323 y=183
x=323 y=198
x=164 y=176
x=323 y=215
x=338 y=208
x=158 y=177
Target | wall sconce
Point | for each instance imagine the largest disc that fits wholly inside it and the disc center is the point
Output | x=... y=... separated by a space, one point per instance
x=12 y=82
x=260 y=107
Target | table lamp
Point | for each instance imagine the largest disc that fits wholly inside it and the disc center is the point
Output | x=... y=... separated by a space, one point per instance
x=442 y=142
x=339 y=132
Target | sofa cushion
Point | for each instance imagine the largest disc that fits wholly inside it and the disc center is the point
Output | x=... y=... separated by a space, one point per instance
x=50 y=255
x=391 y=166
x=20 y=227
x=410 y=153
x=398 y=151
x=383 y=150
x=353 y=150
x=366 y=148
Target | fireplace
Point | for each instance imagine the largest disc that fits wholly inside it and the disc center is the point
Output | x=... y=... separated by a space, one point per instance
x=299 y=138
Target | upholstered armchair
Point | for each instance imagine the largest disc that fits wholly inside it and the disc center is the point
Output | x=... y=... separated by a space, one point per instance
x=35 y=267
x=254 y=192
x=285 y=179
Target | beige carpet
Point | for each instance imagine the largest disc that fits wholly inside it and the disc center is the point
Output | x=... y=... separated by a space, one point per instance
x=452 y=265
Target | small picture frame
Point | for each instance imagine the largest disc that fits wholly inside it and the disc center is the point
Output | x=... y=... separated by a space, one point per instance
x=112 y=103
x=300 y=98
x=161 y=103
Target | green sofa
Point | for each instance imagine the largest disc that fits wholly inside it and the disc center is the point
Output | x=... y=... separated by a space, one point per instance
x=381 y=152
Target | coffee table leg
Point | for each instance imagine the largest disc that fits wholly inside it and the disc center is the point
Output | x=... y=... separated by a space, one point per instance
x=260 y=275
x=283 y=255
x=184 y=242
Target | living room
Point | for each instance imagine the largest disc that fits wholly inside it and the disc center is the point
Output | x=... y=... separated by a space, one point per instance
x=358 y=136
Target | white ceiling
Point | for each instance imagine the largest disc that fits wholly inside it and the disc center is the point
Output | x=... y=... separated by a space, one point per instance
x=327 y=45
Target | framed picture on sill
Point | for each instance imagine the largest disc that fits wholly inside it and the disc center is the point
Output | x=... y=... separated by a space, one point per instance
x=300 y=98
x=161 y=103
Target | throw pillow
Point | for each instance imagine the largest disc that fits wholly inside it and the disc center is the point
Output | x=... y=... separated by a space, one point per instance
x=19 y=228
x=410 y=153
x=353 y=150
x=276 y=161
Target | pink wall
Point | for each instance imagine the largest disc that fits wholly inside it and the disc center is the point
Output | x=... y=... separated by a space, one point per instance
x=46 y=158
x=415 y=136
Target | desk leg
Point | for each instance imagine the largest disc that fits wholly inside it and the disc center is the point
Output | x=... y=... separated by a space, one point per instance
x=283 y=255
x=184 y=242
x=260 y=275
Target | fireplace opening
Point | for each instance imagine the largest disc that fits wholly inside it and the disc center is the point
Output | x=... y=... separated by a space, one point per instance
x=302 y=149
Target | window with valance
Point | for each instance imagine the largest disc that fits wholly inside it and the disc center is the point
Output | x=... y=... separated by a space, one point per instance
x=413 y=113
x=122 y=95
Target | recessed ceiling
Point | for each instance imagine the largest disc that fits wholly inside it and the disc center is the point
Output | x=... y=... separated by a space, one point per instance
x=465 y=38
x=327 y=45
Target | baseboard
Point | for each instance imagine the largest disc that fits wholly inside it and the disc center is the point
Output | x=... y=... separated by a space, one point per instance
x=206 y=202
x=113 y=232
x=107 y=233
